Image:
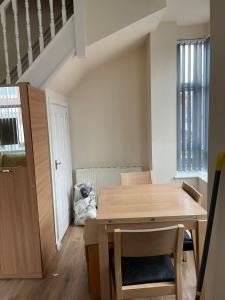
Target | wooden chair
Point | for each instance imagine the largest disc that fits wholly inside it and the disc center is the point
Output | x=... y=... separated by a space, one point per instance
x=142 y=264
x=133 y=178
x=92 y=256
x=188 y=237
x=192 y=192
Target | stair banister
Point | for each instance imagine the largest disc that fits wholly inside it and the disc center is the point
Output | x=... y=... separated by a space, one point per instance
x=52 y=19
x=79 y=23
x=28 y=50
x=64 y=12
x=41 y=37
x=5 y=43
x=17 y=37
x=5 y=4
x=30 y=54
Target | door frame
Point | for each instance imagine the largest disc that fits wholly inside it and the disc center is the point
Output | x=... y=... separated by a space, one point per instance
x=51 y=100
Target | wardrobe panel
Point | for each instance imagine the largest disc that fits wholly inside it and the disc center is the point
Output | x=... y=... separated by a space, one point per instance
x=20 y=253
x=19 y=244
x=39 y=129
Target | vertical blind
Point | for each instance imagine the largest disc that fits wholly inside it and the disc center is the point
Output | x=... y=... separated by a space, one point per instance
x=193 y=68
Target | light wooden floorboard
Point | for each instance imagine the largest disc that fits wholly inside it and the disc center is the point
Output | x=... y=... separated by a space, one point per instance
x=71 y=281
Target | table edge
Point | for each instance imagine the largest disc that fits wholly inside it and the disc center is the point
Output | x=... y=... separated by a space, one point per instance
x=151 y=219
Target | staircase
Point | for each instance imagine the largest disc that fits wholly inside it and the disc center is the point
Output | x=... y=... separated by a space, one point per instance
x=41 y=40
x=33 y=25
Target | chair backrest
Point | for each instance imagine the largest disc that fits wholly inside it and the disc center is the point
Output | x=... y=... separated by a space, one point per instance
x=198 y=197
x=149 y=242
x=133 y=178
x=153 y=242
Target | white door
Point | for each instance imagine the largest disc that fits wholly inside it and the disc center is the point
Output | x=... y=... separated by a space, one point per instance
x=61 y=167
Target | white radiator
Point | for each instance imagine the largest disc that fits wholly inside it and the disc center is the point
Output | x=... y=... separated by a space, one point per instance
x=99 y=177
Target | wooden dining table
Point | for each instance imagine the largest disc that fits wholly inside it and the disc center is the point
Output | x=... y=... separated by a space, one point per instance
x=142 y=207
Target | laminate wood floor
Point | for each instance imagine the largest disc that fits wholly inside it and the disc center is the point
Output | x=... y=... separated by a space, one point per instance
x=67 y=276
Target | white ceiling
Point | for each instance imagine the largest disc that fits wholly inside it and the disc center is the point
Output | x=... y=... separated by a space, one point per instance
x=187 y=12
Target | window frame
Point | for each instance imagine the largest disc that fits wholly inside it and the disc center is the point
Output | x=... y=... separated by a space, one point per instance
x=192 y=156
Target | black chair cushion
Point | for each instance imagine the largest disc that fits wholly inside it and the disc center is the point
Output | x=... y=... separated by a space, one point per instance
x=188 y=242
x=140 y=270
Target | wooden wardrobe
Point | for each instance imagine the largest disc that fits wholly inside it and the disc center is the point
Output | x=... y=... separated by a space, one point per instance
x=27 y=237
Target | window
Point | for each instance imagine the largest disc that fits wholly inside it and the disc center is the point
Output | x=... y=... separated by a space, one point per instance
x=8 y=131
x=11 y=124
x=192 y=105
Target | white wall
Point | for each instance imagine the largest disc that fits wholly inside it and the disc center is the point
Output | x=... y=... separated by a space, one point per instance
x=116 y=15
x=216 y=267
x=56 y=96
x=148 y=94
x=108 y=114
x=163 y=101
x=193 y=32
x=163 y=94
x=152 y=75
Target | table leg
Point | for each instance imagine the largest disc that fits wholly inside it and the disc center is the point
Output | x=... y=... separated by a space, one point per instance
x=104 y=262
x=200 y=238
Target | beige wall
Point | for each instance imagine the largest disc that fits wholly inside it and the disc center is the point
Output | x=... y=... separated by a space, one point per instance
x=163 y=101
x=162 y=54
x=134 y=81
x=108 y=114
x=56 y=97
x=115 y=15
x=148 y=94
x=216 y=270
x=193 y=32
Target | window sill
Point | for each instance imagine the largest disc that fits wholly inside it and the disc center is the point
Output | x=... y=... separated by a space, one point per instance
x=202 y=175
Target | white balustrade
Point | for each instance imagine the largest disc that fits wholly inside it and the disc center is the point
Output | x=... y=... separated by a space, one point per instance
x=79 y=23
x=63 y=12
x=15 y=13
x=28 y=31
x=5 y=43
x=52 y=19
x=41 y=38
x=30 y=54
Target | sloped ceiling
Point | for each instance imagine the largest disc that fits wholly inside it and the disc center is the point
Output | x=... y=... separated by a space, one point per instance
x=75 y=68
x=184 y=12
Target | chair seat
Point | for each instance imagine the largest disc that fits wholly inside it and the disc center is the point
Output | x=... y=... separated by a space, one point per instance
x=188 y=242
x=140 y=270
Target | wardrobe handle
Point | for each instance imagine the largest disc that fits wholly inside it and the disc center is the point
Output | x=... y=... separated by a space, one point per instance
x=6 y=171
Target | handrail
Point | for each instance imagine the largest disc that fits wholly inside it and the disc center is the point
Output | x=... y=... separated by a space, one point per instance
x=35 y=47
x=5 y=4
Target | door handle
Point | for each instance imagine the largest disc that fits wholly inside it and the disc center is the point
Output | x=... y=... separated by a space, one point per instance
x=57 y=163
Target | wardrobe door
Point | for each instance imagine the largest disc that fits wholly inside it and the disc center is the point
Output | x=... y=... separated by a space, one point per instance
x=20 y=255
x=41 y=163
